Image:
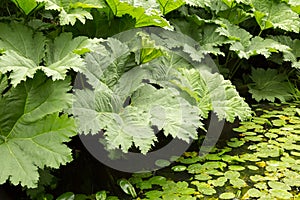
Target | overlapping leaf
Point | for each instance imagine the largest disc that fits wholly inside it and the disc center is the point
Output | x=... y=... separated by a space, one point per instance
x=258 y=46
x=24 y=52
x=26 y=5
x=32 y=135
x=122 y=95
x=167 y=6
x=268 y=85
x=168 y=111
x=70 y=11
x=275 y=14
x=293 y=54
x=146 y=13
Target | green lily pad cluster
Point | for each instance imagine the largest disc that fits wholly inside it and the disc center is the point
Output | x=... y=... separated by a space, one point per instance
x=262 y=162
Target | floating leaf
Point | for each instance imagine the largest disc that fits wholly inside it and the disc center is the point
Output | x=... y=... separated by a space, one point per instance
x=179 y=168
x=237 y=182
x=236 y=167
x=278 y=185
x=252 y=167
x=203 y=177
x=158 y=180
x=204 y=188
x=212 y=157
x=257 y=178
x=232 y=174
x=229 y=159
x=214 y=165
x=254 y=192
x=235 y=142
x=219 y=182
x=214 y=172
x=281 y=194
x=278 y=122
x=153 y=194
x=253 y=138
x=196 y=168
x=162 y=163
x=261 y=185
x=227 y=195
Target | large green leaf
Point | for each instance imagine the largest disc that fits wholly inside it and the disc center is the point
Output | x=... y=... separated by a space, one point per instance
x=233 y=32
x=24 y=51
x=258 y=46
x=226 y=102
x=70 y=11
x=211 y=4
x=295 y=5
x=168 y=111
x=128 y=107
x=32 y=135
x=275 y=14
x=167 y=6
x=268 y=85
x=146 y=13
x=195 y=86
x=293 y=54
x=23 y=40
x=26 y=5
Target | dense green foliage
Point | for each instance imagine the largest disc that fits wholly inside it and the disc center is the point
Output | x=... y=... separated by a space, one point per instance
x=47 y=45
x=261 y=162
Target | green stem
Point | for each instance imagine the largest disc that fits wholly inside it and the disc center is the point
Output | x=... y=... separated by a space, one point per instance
x=236 y=66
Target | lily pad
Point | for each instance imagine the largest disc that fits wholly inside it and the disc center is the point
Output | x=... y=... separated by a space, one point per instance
x=162 y=163
x=281 y=194
x=179 y=168
x=203 y=177
x=240 y=129
x=227 y=195
x=212 y=157
x=219 y=182
x=250 y=157
x=196 y=168
x=236 y=167
x=261 y=185
x=229 y=159
x=250 y=133
x=238 y=183
x=235 y=142
x=254 y=192
x=214 y=172
x=158 y=180
x=278 y=122
x=271 y=135
x=232 y=174
x=154 y=194
x=257 y=178
x=214 y=165
x=295 y=153
x=253 y=138
x=189 y=160
x=261 y=120
x=204 y=188
x=252 y=167
x=278 y=185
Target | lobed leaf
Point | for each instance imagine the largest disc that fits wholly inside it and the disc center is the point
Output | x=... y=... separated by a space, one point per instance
x=275 y=14
x=32 y=135
x=268 y=85
x=71 y=11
